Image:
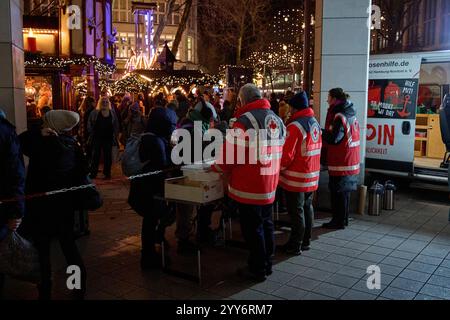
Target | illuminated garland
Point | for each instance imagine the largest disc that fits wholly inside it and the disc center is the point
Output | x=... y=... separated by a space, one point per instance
x=33 y=60
x=134 y=83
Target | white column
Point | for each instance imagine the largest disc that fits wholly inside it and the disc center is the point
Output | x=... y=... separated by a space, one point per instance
x=342 y=56
x=12 y=79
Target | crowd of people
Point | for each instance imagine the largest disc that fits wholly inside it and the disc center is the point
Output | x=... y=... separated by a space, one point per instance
x=297 y=142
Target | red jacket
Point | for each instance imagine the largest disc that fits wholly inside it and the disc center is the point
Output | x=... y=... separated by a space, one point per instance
x=253 y=174
x=343 y=158
x=300 y=164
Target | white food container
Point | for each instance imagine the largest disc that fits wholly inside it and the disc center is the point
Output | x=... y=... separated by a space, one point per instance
x=200 y=192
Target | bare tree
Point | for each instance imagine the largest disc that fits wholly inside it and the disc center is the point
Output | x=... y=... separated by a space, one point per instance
x=399 y=16
x=170 y=9
x=182 y=26
x=236 y=24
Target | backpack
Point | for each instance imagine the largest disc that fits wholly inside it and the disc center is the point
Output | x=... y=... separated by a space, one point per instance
x=131 y=161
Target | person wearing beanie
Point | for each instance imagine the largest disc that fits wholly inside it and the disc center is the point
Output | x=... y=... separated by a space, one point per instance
x=56 y=161
x=300 y=170
x=341 y=155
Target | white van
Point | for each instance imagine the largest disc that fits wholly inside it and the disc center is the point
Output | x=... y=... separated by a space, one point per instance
x=403 y=131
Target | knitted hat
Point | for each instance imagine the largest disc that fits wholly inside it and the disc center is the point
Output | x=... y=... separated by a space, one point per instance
x=299 y=101
x=61 y=120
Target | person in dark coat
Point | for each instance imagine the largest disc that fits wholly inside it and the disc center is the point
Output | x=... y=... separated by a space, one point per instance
x=155 y=149
x=103 y=129
x=12 y=182
x=274 y=104
x=56 y=162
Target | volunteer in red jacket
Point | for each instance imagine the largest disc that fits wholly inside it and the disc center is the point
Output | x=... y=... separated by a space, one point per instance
x=300 y=171
x=250 y=158
x=342 y=154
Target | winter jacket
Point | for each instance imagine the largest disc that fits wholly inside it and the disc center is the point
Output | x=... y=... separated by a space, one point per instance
x=300 y=164
x=56 y=162
x=12 y=173
x=253 y=180
x=93 y=119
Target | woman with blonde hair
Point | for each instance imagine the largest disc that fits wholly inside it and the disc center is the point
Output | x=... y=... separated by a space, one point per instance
x=103 y=129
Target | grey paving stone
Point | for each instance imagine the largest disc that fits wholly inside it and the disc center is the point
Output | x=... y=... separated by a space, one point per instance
x=422 y=236
x=415 y=275
x=281 y=277
x=428 y=259
x=316 y=254
x=379 y=250
x=357 y=295
x=396 y=262
x=403 y=255
x=443 y=272
x=304 y=283
x=390 y=270
x=436 y=250
x=362 y=287
x=445 y=264
x=304 y=261
x=328 y=266
x=414 y=246
x=330 y=290
x=316 y=296
x=401 y=232
x=442 y=238
x=371 y=257
x=332 y=241
x=357 y=246
x=398 y=294
x=439 y=281
x=436 y=291
x=348 y=252
x=426 y=297
x=389 y=242
x=337 y=258
x=267 y=286
x=407 y=284
x=365 y=240
x=342 y=281
x=290 y=293
x=290 y=267
x=422 y=267
x=361 y=264
x=382 y=298
x=324 y=247
x=352 y=272
x=317 y=274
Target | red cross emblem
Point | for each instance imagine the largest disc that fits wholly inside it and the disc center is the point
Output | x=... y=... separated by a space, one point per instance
x=273 y=126
x=315 y=133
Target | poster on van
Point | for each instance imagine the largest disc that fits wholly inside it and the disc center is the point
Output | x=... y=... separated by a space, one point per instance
x=392 y=101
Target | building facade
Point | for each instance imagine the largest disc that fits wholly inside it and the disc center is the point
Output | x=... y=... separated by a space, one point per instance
x=426 y=28
x=123 y=21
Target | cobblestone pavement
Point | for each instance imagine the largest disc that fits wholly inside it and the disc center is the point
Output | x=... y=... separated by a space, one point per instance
x=410 y=245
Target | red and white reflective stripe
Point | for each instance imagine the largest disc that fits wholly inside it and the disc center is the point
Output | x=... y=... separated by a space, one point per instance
x=347 y=168
x=252 y=120
x=296 y=184
x=351 y=143
x=316 y=148
x=301 y=174
x=250 y=195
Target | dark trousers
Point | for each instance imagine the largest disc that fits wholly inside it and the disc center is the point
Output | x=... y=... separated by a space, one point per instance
x=2 y=285
x=301 y=212
x=99 y=146
x=257 y=229
x=340 y=205
x=65 y=236
x=154 y=225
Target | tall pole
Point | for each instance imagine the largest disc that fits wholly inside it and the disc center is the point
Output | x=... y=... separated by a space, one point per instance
x=307 y=83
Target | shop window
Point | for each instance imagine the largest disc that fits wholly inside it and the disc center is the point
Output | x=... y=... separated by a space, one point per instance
x=38 y=93
x=189 y=48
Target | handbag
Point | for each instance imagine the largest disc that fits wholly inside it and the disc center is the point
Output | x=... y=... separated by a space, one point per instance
x=88 y=198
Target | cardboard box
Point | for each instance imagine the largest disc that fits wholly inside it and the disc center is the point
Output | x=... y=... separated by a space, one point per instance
x=200 y=192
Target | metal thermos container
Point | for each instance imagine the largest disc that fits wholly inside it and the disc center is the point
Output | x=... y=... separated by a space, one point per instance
x=389 y=196
x=375 y=199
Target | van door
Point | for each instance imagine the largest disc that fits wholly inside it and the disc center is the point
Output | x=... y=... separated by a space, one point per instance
x=391 y=123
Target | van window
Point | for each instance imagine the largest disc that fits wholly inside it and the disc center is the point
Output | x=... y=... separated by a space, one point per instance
x=430 y=99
